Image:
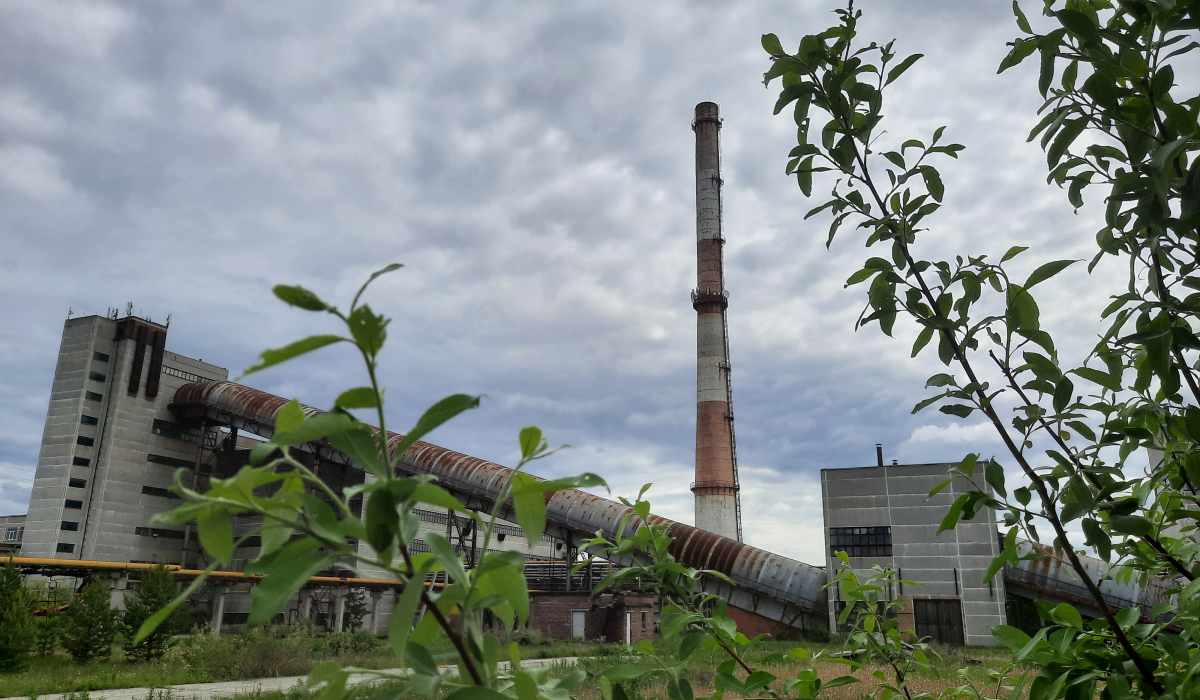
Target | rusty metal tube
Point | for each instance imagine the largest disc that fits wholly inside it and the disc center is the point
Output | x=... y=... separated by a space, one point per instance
x=767 y=584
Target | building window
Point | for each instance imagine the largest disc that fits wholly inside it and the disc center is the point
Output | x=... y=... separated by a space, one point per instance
x=156 y=491
x=96 y=376
x=92 y=396
x=176 y=431
x=89 y=420
x=71 y=503
x=64 y=548
x=861 y=541
x=940 y=620
x=10 y=534
x=99 y=357
x=159 y=532
x=81 y=462
x=85 y=441
x=77 y=483
x=69 y=526
x=169 y=461
x=181 y=374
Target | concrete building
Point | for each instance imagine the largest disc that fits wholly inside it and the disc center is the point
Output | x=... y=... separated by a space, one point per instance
x=884 y=515
x=12 y=531
x=111 y=446
x=717 y=492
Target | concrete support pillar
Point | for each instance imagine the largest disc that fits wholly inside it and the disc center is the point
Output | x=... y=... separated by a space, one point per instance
x=376 y=605
x=304 y=604
x=340 y=612
x=218 y=610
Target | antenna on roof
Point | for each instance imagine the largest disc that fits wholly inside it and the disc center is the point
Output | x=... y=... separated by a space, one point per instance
x=168 y=321
x=70 y=310
x=129 y=309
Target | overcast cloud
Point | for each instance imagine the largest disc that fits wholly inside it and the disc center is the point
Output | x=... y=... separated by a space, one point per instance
x=531 y=165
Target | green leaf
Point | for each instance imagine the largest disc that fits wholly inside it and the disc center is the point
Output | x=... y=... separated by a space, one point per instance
x=358 y=397
x=531 y=441
x=289 y=416
x=368 y=329
x=435 y=495
x=288 y=570
x=157 y=618
x=1104 y=379
x=1021 y=50
x=771 y=45
x=1022 y=23
x=1014 y=252
x=319 y=426
x=1047 y=271
x=216 y=533
x=955 y=409
x=296 y=349
x=951 y=518
x=510 y=583
x=904 y=65
x=933 y=182
x=299 y=297
x=1068 y=615
x=1066 y=136
x=1129 y=524
x=624 y=672
x=406 y=608
x=840 y=680
x=529 y=502
x=923 y=339
x=446 y=556
x=1010 y=637
x=360 y=445
x=993 y=473
x=437 y=414
x=967 y=465
x=390 y=268
x=420 y=659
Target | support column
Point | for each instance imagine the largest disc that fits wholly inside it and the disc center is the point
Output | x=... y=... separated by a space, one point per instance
x=376 y=604
x=340 y=613
x=218 y=610
x=306 y=596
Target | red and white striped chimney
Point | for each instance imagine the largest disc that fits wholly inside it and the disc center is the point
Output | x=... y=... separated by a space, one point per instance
x=718 y=508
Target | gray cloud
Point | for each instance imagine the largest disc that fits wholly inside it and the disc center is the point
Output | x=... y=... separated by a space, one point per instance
x=531 y=165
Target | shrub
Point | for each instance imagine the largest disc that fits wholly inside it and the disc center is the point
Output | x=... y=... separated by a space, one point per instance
x=90 y=624
x=157 y=589
x=16 y=619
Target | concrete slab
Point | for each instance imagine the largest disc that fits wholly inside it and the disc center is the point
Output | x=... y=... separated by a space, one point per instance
x=230 y=689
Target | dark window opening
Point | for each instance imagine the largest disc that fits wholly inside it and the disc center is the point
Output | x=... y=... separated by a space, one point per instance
x=71 y=503
x=235 y=618
x=256 y=541
x=89 y=420
x=99 y=356
x=77 y=483
x=81 y=461
x=861 y=541
x=176 y=431
x=65 y=548
x=159 y=532
x=69 y=526
x=169 y=461
x=940 y=620
x=156 y=491
x=85 y=441
x=96 y=376
x=92 y=396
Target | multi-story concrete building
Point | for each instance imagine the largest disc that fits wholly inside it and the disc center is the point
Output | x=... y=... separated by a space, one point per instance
x=12 y=530
x=111 y=446
x=884 y=515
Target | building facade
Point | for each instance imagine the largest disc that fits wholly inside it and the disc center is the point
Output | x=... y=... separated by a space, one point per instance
x=884 y=515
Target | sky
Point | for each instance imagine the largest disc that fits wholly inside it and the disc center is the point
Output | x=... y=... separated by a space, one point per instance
x=531 y=165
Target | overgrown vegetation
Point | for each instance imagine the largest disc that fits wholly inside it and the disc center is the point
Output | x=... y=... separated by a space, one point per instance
x=16 y=619
x=1116 y=117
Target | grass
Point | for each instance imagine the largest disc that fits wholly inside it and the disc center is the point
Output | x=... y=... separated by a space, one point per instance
x=286 y=652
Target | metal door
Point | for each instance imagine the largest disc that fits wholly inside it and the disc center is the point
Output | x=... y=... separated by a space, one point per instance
x=940 y=620
x=577 y=620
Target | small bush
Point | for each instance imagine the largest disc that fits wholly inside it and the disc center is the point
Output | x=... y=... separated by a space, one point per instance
x=16 y=619
x=90 y=624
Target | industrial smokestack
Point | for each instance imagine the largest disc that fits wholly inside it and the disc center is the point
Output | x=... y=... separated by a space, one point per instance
x=879 y=453
x=718 y=504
